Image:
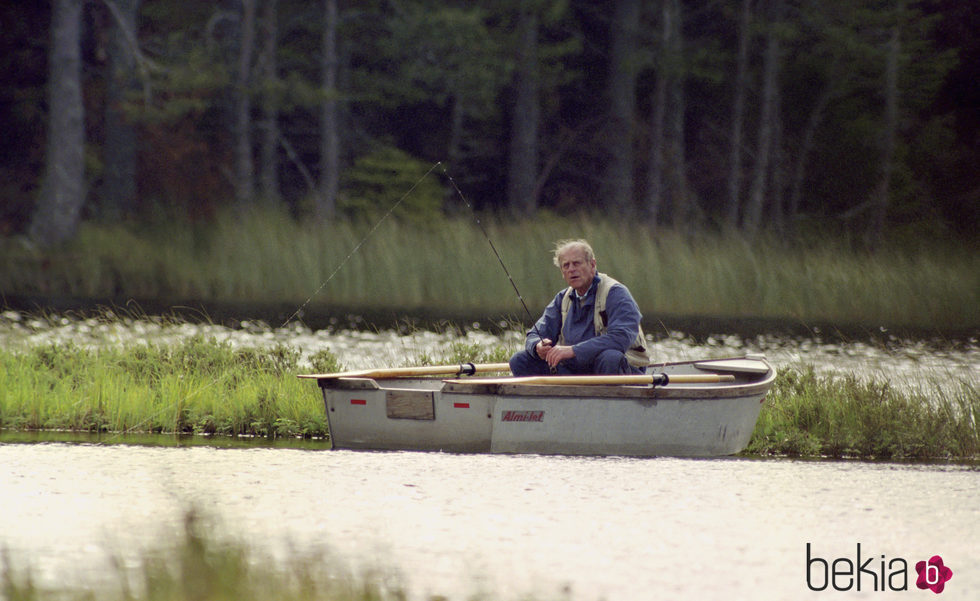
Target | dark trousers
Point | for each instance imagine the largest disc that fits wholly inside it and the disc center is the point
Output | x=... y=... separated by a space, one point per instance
x=608 y=362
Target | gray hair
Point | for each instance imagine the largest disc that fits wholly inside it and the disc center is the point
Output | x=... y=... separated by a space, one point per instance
x=563 y=246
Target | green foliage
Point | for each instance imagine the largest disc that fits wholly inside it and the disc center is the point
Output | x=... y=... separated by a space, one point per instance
x=436 y=78
x=448 y=266
x=448 y=54
x=325 y=362
x=389 y=179
x=472 y=352
x=199 y=385
x=808 y=415
x=200 y=565
x=203 y=386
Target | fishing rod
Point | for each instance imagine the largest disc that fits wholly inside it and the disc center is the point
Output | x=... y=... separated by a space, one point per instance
x=299 y=309
x=360 y=244
x=476 y=216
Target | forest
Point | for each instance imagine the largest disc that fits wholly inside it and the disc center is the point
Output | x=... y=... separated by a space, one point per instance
x=801 y=118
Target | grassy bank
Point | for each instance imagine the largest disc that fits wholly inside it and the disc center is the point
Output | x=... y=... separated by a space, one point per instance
x=811 y=416
x=450 y=265
x=198 y=386
x=207 y=387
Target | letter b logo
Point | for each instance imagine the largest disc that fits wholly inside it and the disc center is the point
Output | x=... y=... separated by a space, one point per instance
x=933 y=574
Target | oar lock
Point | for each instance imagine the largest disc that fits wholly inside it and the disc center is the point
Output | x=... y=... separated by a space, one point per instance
x=466 y=369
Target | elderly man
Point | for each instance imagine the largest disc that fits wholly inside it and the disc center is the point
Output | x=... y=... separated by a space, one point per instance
x=595 y=322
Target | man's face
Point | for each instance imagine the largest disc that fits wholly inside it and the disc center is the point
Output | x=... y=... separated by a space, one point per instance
x=578 y=272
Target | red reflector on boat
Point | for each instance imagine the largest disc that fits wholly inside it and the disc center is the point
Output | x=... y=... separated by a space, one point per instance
x=358 y=402
x=461 y=405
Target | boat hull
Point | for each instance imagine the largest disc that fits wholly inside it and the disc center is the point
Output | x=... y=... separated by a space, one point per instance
x=493 y=416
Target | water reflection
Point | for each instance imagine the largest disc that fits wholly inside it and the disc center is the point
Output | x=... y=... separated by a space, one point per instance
x=162 y=440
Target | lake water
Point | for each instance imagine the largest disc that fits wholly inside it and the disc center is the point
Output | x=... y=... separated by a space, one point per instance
x=553 y=527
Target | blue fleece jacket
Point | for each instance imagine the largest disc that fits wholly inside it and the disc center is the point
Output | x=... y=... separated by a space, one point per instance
x=621 y=328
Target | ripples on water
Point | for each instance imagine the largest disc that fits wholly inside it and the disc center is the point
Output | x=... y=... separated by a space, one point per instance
x=605 y=528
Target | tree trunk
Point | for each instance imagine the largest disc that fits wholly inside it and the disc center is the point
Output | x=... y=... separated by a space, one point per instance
x=454 y=145
x=329 y=122
x=244 y=163
x=523 y=171
x=880 y=198
x=655 y=163
x=119 y=181
x=63 y=187
x=618 y=181
x=805 y=147
x=269 y=125
x=682 y=209
x=767 y=124
x=738 y=113
x=777 y=169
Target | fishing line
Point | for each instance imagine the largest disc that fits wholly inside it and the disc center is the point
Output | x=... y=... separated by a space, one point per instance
x=214 y=381
x=360 y=244
x=534 y=324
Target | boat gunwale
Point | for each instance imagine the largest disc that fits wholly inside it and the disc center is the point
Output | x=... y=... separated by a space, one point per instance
x=759 y=384
x=613 y=392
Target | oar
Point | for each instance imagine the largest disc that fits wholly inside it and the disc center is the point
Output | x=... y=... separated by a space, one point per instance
x=655 y=379
x=465 y=369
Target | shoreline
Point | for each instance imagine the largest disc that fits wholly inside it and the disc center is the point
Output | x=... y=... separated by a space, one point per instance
x=320 y=443
x=318 y=316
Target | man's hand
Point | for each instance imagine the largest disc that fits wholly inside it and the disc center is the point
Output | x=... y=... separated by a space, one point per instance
x=553 y=354
x=557 y=354
x=542 y=348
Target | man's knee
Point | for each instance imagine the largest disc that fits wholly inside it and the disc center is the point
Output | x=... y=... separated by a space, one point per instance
x=612 y=362
x=523 y=364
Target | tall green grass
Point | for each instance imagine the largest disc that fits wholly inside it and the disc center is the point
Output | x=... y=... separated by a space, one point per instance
x=203 y=386
x=449 y=265
x=812 y=416
x=201 y=565
x=196 y=386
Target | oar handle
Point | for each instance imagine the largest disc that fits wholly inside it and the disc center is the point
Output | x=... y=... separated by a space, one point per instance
x=594 y=380
x=465 y=369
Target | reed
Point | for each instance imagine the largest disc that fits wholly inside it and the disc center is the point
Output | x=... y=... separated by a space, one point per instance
x=202 y=565
x=448 y=265
x=204 y=386
x=199 y=385
x=811 y=416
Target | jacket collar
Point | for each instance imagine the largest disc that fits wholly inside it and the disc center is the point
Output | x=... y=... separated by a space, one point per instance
x=589 y=292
